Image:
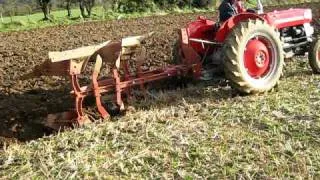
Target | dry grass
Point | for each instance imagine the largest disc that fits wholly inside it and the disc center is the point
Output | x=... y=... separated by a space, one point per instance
x=197 y=132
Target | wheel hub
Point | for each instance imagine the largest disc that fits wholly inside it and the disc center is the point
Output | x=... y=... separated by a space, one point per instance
x=257 y=60
x=260 y=59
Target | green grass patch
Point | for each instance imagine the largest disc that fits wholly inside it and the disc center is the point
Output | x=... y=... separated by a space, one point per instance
x=59 y=17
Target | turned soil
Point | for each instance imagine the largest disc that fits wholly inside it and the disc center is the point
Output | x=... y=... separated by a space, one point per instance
x=24 y=104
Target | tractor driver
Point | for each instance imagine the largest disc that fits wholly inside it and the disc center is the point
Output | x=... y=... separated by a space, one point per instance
x=229 y=8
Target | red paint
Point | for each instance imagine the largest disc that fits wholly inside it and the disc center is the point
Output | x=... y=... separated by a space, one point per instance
x=288 y=18
x=96 y=91
x=227 y=26
x=119 y=83
x=79 y=97
x=184 y=36
x=200 y=29
x=203 y=28
x=189 y=55
x=256 y=58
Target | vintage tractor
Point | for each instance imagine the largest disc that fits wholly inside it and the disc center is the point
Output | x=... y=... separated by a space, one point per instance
x=250 y=46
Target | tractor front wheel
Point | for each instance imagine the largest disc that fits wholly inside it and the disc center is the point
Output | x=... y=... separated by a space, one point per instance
x=253 y=59
x=314 y=56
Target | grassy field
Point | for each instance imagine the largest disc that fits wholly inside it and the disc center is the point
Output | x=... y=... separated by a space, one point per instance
x=19 y=23
x=203 y=131
x=59 y=17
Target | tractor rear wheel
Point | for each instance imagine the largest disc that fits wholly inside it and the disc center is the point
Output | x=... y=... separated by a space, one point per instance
x=254 y=58
x=314 y=56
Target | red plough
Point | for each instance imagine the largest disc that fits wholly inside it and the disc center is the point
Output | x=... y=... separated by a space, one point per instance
x=73 y=62
x=249 y=47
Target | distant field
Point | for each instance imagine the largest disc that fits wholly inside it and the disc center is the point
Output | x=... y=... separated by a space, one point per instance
x=18 y=23
x=59 y=17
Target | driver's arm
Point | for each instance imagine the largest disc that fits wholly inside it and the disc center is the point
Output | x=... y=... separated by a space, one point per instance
x=240 y=6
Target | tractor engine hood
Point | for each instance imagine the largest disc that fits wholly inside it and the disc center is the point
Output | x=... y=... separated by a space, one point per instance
x=287 y=18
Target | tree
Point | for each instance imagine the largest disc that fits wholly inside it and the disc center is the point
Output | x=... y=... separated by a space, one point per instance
x=29 y=9
x=202 y=3
x=45 y=7
x=1 y=12
x=89 y=5
x=128 y=6
x=86 y=5
x=69 y=7
x=11 y=7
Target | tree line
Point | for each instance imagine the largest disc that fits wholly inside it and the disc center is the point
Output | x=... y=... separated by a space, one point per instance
x=85 y=7
x=22 y=7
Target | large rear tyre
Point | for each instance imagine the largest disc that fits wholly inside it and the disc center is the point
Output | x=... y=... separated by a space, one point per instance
x=314 y=56
x=254 y=58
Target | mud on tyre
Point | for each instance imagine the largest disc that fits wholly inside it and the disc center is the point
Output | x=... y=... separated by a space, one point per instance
x=253 y=59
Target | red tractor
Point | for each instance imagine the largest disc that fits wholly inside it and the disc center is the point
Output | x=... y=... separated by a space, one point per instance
x=250 y=46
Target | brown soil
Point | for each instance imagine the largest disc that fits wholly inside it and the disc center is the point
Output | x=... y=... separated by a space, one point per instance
x=25 y=103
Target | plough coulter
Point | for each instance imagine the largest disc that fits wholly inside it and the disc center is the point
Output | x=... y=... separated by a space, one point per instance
x=249 y=48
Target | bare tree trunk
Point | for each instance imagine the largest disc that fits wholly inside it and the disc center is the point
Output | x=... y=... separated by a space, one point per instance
x=88 y=11
x=82 y=8
x=1 y=11
x=45 y=6
x=69 y=7
x=46 y=12
x=49 y=8
x=89 y=6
